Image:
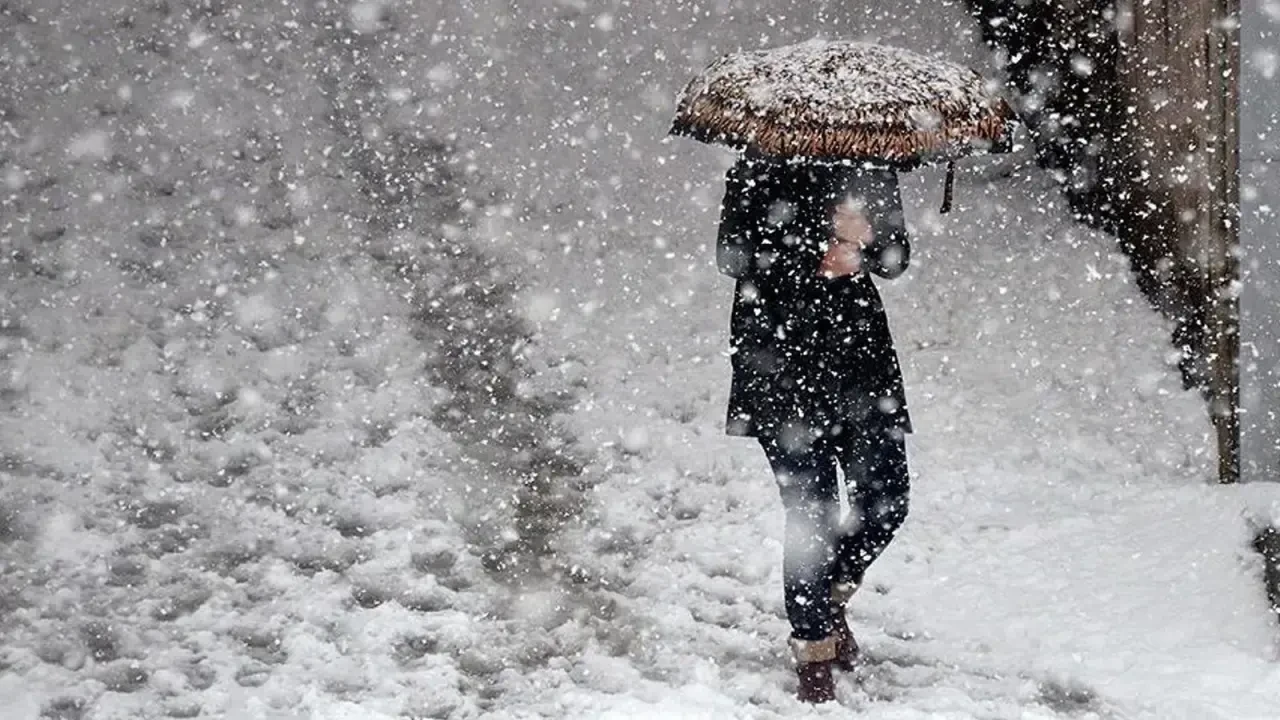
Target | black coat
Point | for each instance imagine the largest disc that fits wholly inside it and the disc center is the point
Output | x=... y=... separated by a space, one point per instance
x=809 y=354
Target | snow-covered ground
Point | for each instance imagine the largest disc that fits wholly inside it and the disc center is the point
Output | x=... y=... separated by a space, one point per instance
x=307 y=417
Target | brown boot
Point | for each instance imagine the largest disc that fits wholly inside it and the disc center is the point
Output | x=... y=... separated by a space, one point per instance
x=846 y=645
x=813 y=669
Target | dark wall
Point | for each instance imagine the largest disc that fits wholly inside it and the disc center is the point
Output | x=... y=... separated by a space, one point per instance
x=1061 y=57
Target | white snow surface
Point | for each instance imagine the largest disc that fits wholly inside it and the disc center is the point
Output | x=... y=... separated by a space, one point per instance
x=229 y=486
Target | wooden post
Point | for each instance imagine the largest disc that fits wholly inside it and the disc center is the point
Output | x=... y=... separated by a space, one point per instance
x=1224 y=46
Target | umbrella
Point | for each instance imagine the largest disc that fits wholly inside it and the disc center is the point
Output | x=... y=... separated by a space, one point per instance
x=845 y=100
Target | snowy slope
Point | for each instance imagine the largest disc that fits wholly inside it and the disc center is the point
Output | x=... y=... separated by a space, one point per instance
x=247 y=341
x=267 y=452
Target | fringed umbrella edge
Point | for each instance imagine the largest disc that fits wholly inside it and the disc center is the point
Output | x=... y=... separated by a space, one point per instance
x=891 y=137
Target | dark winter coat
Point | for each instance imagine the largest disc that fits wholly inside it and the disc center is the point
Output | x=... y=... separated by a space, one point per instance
x=809 y=354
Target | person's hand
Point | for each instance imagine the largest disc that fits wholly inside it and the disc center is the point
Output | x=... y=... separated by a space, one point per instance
x=842 y=258
x=850 y=224
x=850 y=231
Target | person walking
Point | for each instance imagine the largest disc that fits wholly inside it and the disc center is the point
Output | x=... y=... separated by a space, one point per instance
x=816 y=379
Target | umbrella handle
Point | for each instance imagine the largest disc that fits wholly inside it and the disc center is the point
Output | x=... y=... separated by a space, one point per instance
x=948 y=186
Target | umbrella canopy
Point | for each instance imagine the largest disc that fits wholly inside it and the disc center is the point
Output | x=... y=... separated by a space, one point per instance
x=844 y=100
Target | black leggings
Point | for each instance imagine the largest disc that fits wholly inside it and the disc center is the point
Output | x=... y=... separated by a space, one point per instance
x=819 y=549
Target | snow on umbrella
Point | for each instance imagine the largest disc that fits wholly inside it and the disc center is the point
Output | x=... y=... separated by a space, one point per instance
x=837 y=100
